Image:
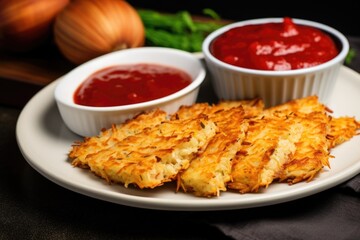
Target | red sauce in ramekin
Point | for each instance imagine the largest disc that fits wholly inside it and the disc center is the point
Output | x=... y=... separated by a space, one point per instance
x=130 y=84
x=274 y=46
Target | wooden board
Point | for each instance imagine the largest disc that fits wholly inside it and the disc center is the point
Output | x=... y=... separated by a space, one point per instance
x=24 y=74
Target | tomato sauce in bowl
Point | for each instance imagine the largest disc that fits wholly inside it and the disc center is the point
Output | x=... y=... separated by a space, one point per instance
x=274 y=46
x=127 y=84
x=275 y=59
x=100 y=80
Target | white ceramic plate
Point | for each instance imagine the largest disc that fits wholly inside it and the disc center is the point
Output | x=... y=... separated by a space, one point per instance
x=45 y=142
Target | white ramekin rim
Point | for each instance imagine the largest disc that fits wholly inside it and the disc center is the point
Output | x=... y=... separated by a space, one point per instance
x=335 y=33
x=64 y=81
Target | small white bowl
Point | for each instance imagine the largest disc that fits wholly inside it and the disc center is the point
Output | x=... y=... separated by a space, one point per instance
x=88 y=121
x=274 y=87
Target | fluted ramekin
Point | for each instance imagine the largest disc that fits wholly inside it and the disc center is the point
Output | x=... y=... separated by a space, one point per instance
x=274 y=87
x=88 y=121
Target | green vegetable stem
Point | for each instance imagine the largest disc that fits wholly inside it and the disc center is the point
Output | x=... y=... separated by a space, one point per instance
x=177 y=30
x=349 y=57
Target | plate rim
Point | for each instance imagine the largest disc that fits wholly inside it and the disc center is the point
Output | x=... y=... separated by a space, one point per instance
x=175 y=204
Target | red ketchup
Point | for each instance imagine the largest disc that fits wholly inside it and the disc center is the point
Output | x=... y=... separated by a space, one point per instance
x=129 y=84
x=274 y=46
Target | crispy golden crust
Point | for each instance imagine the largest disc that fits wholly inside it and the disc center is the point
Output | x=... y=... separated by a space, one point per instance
x=208 y=149
x=209 y=172
x=252 y=108
x=286 y=142
x=269 y=144
x=188 y=112
x=312 y=149
x=155 y=155
x=111 y=136
x=302 y=105
x=342 y=129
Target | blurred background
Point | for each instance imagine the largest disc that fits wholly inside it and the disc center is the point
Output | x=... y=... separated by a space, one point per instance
x=342 y=15
x=25 y=73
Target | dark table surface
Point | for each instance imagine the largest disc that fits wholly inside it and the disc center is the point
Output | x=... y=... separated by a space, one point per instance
x=32 y=207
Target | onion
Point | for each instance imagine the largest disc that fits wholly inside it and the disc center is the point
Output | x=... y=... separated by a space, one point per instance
x=86 y=29
x=26 y=24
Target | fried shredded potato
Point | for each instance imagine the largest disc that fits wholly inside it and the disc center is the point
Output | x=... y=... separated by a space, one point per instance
x=269 y=143
x=155 y=155
x=209 y=172
x=342 y=129
x=107 y=138
x=234 y=146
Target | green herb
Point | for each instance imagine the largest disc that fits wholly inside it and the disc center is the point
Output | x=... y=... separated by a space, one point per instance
x=177 y=30
x=190 y=42
x=349 y=57
x=211 y=13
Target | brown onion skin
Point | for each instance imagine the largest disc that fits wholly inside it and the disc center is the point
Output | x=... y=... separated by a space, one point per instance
x=27 y=24
x=86 y=29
